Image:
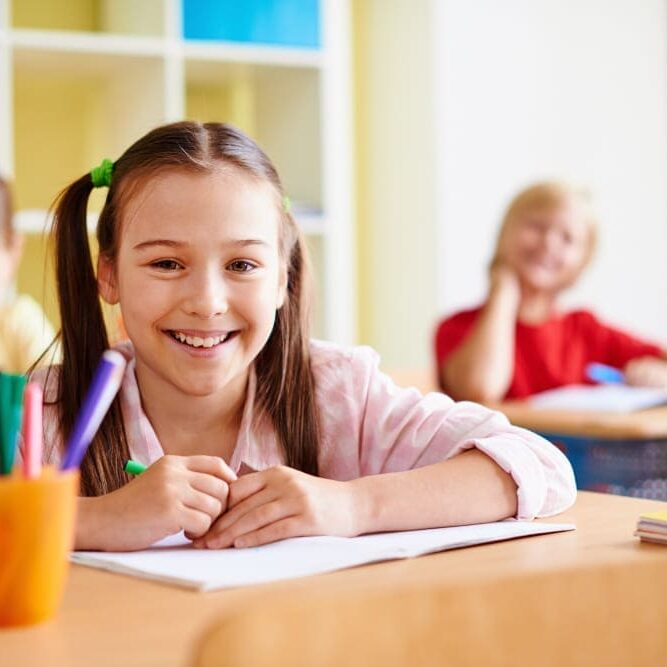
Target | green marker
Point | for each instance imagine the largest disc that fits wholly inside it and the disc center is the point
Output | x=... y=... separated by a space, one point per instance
x=134 y=468
x=11 y=410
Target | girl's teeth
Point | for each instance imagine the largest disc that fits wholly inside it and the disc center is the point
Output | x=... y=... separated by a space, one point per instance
x=196 y=341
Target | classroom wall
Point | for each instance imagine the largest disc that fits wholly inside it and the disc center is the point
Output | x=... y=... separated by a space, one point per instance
x=528 y=90
x=394 y=181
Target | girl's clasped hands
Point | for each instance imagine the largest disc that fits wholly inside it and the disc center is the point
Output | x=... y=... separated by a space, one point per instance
x=202 y=496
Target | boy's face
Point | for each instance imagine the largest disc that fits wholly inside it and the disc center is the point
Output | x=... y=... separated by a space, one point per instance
x=198 y=277
x=548 y=247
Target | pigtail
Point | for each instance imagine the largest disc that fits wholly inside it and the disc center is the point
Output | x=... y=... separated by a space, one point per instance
x=84 y=338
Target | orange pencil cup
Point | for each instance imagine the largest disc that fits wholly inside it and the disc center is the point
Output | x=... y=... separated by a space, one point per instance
x=36 y=535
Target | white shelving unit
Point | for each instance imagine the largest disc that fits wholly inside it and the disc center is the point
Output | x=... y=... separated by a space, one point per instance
x=69 y=97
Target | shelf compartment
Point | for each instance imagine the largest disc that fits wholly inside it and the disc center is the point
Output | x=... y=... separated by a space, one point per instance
x=67 y=120
x=130 y=17
x=278 y=106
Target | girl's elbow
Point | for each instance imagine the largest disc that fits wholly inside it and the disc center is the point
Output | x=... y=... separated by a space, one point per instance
x=562 y=491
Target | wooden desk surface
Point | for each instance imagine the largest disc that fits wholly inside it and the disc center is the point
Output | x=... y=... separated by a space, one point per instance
x=112 y=619
x=641 y=425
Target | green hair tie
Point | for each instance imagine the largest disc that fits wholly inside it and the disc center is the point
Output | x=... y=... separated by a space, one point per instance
x=287 y=204
x=101 y=175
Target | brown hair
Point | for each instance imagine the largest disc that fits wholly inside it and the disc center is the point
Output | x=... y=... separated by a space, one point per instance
x=6 y=212
x=284 y=378
x=550 y=195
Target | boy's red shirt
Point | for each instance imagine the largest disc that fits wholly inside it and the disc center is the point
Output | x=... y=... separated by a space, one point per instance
x=552 y=354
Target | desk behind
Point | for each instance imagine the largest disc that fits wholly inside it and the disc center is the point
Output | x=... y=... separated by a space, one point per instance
x=591 y=596
x=624 y=454
x=648 y=424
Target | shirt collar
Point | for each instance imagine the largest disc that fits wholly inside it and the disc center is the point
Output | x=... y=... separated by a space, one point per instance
x=256 y=446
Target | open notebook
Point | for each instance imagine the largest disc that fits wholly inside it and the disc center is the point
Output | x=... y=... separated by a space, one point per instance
x=600 y=398
x=174 y=561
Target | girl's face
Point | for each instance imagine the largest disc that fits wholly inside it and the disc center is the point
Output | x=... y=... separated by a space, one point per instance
x=198 y=277
x=547 y=247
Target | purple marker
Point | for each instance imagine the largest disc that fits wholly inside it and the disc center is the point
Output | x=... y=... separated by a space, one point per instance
x=105 y=385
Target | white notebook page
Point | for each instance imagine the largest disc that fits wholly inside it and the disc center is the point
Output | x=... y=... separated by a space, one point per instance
x=600 y=398
x=175 y=561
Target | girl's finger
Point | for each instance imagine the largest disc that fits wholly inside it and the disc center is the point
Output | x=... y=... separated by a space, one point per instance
x=246 y=486
x=280 y=530
x=212 y=486
x=202 y=502
x=233 y=516
x=211 y=465
x=194 y=522
x=251 y=522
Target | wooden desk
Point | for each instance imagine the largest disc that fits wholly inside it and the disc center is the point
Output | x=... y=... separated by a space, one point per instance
x=520 y=602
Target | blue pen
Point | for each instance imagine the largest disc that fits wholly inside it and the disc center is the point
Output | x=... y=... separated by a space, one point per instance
x=604 y=374
x=105 y=385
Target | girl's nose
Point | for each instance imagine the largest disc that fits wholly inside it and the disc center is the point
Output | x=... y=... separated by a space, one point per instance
x=207 y=295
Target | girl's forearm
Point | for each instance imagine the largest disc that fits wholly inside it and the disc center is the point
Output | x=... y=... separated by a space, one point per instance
x=468 y=488
x=91 y=527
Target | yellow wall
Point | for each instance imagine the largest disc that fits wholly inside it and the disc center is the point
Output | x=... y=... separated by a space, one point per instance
x=395 y=184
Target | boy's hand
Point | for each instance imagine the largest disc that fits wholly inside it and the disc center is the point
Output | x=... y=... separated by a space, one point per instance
x=503 y=279
x=176 y=493
x=646 y=372
x=281 y=502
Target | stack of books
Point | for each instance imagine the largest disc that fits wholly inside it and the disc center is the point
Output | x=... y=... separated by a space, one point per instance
x=652 y=527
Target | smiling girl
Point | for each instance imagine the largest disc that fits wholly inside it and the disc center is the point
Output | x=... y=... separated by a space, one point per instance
x=208 y=267
x=519 y=343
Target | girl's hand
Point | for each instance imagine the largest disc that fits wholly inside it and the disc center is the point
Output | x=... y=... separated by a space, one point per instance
x=646 y=372
x=175 y=493
x=282 y=502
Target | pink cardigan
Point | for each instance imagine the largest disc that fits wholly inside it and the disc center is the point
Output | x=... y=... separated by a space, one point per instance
x=368 y=426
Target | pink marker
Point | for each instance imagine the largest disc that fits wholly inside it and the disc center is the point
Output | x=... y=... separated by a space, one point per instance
x=32 y=431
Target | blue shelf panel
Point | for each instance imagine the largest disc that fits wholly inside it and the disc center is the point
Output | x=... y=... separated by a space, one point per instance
x=293 y=23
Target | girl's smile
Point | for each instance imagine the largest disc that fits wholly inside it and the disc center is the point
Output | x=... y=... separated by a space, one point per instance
x=201 y=343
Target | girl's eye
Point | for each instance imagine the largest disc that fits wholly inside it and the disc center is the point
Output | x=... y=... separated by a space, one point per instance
x=167 y=265
x=242 y=266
